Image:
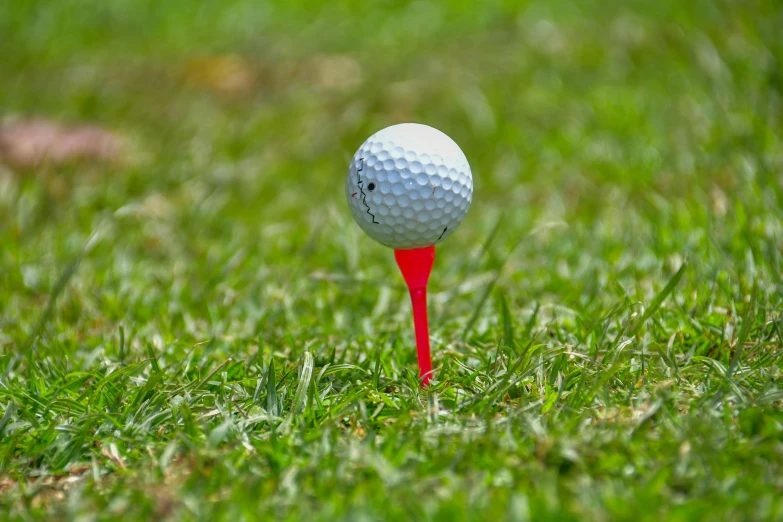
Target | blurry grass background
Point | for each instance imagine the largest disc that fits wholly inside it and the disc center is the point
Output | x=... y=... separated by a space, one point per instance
x=197 y=329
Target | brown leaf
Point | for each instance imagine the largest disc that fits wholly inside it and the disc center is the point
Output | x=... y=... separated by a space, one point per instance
x=230 y=73
x=113 y=454
x=28 y=143
x=334 y=72
x=6 y=483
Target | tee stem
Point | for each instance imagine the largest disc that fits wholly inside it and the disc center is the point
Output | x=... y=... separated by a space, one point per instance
x=416 y=266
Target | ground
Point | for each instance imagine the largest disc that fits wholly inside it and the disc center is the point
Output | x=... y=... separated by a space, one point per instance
x=192 y=327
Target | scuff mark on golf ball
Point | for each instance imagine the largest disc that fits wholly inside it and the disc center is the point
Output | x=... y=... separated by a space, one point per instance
x=361 y=189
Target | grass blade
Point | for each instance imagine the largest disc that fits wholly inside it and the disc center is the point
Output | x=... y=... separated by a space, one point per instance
x=271 y=390
x=305 y=375
x=660 y=298
x=744 y=330
x=508 y=326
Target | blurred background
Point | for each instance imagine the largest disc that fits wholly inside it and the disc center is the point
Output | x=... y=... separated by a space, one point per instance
x=174 y=237
x=192 y=155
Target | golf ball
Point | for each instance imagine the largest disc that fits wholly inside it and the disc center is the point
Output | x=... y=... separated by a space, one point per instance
x=409 y=186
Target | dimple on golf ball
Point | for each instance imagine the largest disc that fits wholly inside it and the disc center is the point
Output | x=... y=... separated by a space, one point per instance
x=409 y=186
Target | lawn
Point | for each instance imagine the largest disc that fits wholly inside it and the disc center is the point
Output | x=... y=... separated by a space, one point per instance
x=195 y=328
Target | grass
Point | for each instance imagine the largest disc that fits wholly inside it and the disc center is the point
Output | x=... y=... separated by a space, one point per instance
x=200 y=332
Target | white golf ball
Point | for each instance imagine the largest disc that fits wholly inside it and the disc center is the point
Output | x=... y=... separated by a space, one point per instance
x=409 y=186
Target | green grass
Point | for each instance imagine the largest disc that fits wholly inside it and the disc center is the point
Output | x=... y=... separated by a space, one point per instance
x=200 y=332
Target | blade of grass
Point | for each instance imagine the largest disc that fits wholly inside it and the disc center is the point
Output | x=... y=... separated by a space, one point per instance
x=305 y=374
x=659 y=298
x=271 y=390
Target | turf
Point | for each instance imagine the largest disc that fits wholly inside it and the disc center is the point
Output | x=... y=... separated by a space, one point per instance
x=200 y=332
